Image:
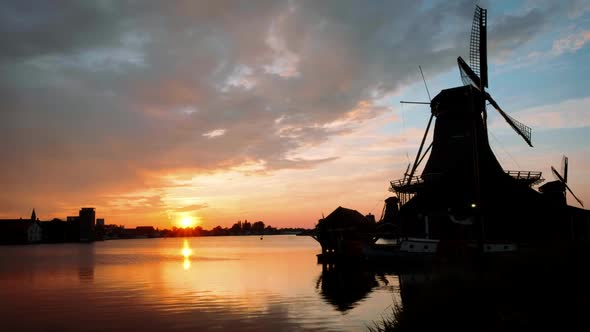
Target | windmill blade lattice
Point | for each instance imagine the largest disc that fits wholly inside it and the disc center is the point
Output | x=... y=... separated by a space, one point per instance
x=468 y=77
x=477 y=45
x=523 y=130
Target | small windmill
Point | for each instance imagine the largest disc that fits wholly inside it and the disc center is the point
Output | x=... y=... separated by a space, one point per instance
x=476 y=74
x=560 y=183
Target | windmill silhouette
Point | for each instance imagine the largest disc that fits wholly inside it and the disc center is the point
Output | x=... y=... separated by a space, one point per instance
x=559 y=187
x=462 y=180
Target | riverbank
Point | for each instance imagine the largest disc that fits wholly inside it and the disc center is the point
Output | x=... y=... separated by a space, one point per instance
x=551 y=292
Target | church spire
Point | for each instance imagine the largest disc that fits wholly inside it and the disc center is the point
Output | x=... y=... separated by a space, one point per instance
x=33 y=215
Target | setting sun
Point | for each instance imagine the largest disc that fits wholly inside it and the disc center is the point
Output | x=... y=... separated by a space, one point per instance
x=187 y=221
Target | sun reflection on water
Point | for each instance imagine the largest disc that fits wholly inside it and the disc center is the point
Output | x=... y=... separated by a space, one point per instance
x=186 y=253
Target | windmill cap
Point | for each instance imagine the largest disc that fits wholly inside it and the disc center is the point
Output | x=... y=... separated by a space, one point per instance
x=462 y=99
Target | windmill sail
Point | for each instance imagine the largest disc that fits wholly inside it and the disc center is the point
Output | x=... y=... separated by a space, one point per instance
x=564 y=168
x=523 y=130
x=468 y=76
x=574 y=195
x=478 y=58
x=562 y=180
x=476 y=73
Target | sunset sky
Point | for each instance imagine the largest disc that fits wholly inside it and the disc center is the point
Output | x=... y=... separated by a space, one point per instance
x=154 y=111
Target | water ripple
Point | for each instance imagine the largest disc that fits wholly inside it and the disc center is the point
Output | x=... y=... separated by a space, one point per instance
x=230 y=283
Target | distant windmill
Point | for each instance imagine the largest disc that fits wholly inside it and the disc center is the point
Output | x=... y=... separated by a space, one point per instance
x=560 y=184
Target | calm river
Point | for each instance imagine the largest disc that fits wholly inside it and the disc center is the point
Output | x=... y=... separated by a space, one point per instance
x=186 y=284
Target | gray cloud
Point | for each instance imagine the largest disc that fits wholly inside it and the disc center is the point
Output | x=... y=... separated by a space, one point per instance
x=33 y=28
x=512 y=31
x=95 y=95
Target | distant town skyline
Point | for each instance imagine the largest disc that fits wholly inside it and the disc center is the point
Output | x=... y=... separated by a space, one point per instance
x=199 y=113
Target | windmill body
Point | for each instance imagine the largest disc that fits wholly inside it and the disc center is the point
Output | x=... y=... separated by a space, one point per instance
x=463 y=181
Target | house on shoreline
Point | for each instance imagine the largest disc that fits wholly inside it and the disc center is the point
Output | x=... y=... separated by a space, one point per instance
x=20 y=231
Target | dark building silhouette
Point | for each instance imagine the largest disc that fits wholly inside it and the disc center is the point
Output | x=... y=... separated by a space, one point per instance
x=55 y=230
x=20 y=231
x=145 y=231
x=99 y=230
x=87 y=224
x=343 y=232
x=80 y=228
x=73 y=228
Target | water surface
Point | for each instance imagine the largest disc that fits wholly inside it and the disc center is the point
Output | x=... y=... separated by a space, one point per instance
x=186 y=284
